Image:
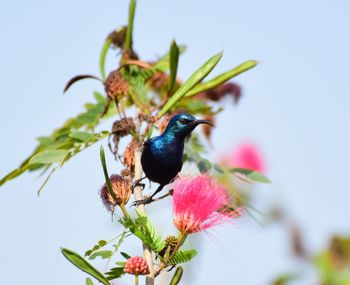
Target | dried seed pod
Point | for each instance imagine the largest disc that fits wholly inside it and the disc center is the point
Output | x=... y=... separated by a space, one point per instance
x=116 y=86
x=207 y=129
x=136 y=265
x=125 y=172
x=118 y=37
x=121 y=128
x=121 y=188
x=158 y=82
x=129 y=155
x=217 y=93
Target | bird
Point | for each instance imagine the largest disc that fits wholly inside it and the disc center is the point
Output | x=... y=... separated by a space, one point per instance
x=162 y=156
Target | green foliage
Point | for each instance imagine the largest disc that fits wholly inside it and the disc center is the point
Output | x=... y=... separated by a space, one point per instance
x=103 y=56
x=88 y=281
x=222 y=78
x=74 y=136
x=333 y=263
x=83 y=265
x=194 y=79
x=285 y=279
x=163 y=64
x=125 y=255
x=115 y=272
x=177 y=276
x=129 y=31
x=142 y=228
x=102 y=253
x=105 y=172
x=137 y=86
x=174 y=60
x=249 y=175
x=182 y=256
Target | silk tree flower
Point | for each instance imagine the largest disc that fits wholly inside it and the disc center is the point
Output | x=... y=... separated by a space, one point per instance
x=200 y=203
x=246 y=155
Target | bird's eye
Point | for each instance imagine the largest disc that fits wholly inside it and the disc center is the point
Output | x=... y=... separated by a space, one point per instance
x=183 y=121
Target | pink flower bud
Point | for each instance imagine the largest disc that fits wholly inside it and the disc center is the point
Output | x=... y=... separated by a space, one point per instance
x=136 y=265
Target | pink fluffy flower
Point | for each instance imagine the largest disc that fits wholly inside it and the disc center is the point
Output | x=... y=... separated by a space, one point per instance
x=200 y=203
x=246 y=155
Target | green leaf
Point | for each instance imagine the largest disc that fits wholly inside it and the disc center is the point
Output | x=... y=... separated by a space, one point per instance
x=250 y=174
x=105 y=172
x=204 y=165
x=222 y=78
x=102 y=242
x=142 y=228
x=128 y=37
x=83 y=265
x=88 y=281
x=174 y=60
x=125 y=255
x=103 y=254
x=194 y=79
x=103 y=55
x=285 y=279
x=59 y=146
x=218 y=169
x=182 y=256
x=115 y=272
x=81 y=136
x=49 y=157
x=163 y=64
x=121 y=263
x=177 y=276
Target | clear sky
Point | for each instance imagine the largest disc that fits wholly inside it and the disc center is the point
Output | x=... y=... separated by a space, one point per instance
x=295 y=106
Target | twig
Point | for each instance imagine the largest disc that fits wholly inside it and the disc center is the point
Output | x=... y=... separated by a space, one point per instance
x=141 y=208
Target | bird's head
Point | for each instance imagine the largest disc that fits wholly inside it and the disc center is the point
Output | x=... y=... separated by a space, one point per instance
x=181 y=125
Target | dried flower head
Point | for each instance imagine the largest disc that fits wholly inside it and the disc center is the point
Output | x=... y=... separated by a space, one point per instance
x=159 y=82
x=246 y=155
x=116 y=86
x=207 y=129
x=117 y=37
x=200 y=203
x=136 y=265
x=217 y=93
x=121 y=128
x=121 y=188
x=129 y=155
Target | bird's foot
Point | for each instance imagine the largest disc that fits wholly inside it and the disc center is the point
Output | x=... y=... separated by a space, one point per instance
x=144 y=201
x=137 y=183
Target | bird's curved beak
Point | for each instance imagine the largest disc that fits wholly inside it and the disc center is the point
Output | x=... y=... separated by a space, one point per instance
x=197 y=122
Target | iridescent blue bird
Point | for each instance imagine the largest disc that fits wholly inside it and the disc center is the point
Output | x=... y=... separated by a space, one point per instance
x=162 y=156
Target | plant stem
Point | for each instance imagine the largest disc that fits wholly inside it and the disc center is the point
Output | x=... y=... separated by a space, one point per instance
x=138 y=196
x=136 y=280
x=125 y=212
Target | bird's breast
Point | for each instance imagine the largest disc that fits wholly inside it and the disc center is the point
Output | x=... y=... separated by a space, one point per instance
x=162 y=161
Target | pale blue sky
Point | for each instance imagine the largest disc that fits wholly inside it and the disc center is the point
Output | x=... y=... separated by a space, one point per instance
x=295 y=105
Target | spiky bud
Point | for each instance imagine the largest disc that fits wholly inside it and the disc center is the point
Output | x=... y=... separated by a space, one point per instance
x=170 y=244
x=121 y=188
x=136 y=265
